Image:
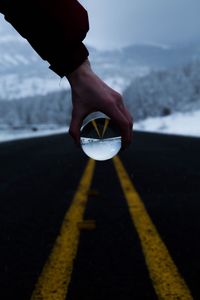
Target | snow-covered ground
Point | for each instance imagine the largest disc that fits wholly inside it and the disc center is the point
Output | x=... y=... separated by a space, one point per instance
x=187 y=124
x=18 y=134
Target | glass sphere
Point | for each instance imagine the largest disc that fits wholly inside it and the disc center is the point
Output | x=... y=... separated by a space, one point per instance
x=100 y=137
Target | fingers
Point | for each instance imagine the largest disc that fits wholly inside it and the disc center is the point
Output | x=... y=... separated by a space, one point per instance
x=121 y=118
x=124 y=110
x=129 y=118
x=119 y=113
x=126 y=133
x=124 y=122
x=112 y=107
x=130 y=121
x=75 y=125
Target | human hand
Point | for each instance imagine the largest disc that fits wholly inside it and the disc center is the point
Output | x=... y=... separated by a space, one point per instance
x=90 y=94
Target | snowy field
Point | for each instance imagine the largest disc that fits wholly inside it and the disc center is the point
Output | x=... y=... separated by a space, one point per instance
x=18 y=134
x=187 y=124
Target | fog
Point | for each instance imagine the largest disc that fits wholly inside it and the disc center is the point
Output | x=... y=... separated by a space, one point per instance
x=117 y=23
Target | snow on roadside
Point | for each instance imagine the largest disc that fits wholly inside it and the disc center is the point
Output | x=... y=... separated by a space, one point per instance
x=187 y=124
x=18 y=134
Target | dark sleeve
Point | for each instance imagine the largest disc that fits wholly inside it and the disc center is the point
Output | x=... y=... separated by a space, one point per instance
x=54 y=28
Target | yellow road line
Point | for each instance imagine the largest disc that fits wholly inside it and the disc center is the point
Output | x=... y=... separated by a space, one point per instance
x=106 y=123
x=164 y=274
x=55 y=277
x=96 y=127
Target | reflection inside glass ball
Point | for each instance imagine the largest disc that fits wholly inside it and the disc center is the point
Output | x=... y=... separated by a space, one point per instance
x=100 y=139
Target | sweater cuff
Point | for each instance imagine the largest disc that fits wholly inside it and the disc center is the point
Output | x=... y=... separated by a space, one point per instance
x=65 y=66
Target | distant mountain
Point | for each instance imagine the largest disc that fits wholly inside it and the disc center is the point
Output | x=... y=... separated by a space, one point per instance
x=23 y=73
x=153 y=56
x=35 y=94
x=161 y=57
x=17 y=57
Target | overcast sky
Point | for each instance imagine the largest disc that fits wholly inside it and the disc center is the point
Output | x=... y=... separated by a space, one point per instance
x=115 y=23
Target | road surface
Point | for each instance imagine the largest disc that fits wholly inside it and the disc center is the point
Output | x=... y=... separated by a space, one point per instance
x=72 y=228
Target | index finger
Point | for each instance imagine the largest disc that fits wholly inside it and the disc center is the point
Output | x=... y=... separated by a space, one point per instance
x=124 y=125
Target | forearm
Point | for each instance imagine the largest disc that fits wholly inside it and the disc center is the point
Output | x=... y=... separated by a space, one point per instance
x=54 y=28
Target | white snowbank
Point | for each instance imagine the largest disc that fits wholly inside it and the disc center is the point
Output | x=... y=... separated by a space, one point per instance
x=187 y=124
x=9 y=135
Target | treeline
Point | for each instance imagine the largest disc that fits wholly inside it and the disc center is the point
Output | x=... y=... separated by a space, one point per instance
x=53 y=108
x=160 y=93
x=163 y=92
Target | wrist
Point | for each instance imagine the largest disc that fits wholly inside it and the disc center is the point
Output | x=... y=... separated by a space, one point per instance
x=80 y=73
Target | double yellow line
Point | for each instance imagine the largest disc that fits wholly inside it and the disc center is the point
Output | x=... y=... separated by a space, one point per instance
x=55 y=278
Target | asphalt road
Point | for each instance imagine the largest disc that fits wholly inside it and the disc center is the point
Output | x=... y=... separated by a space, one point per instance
x=112 y=257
